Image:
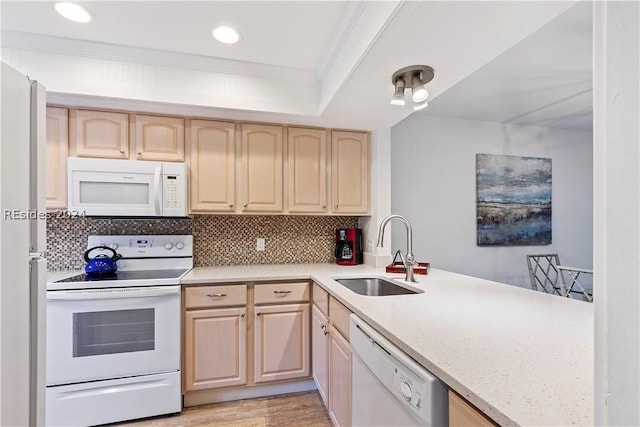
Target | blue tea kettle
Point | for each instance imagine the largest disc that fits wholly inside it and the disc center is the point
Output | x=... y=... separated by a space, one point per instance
x=102 y=263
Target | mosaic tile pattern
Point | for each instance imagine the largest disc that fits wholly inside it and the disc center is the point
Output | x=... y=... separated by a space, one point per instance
x=219 y=240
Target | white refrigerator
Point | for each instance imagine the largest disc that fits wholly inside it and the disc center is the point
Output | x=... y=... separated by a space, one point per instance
x=22 y=242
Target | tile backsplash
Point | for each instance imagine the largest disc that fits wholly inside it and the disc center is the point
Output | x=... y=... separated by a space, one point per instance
x=218 y=240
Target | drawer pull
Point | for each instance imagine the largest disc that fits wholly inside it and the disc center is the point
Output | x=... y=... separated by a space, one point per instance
x=216 y=295
x=282 y=292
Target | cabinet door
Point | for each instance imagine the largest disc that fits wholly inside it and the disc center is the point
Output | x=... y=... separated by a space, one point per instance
x=212 y=165
x=56 y=158
x=320 y=352
x=262 y=173
x=98 y=134
x=158 y=138
x=215 y=348
x=281 y=342
x=307 y=170
x=462 y=414
x=350 y=172
x=339 y=379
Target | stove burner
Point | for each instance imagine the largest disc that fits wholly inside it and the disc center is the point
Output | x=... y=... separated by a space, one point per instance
x=111 y=275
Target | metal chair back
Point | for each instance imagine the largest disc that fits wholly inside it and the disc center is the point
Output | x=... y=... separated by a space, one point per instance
x=575 y=286
x=544 y=274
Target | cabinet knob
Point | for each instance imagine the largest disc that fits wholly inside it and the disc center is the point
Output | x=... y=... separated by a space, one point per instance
x=326 y=332
x=323 y=326
x=242 y=315
x=122 y=151
x=324 y=206
x=258 y=314
x=336 y=206
x=139 y=153
x=231 y=205
x=245 y=205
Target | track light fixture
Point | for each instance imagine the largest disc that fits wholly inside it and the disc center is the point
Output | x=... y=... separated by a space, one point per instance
x=417 y=76
x=398 y=96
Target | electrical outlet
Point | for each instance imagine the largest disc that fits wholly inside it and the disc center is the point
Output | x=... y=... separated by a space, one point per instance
x=260 y=244
x=369 y=245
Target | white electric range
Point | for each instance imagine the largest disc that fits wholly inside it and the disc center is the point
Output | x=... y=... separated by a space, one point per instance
x=113 y=341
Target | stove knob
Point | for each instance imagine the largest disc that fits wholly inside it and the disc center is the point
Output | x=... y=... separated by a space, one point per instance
x=179 y=245
x=168 y=245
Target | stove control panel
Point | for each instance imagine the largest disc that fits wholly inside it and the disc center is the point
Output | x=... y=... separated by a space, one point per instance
x=151 y=246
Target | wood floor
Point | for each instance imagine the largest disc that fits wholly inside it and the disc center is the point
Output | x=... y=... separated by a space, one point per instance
x=294 y=410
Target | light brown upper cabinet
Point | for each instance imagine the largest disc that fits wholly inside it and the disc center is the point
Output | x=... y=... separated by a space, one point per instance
x=98 y=134
x=350 y=172
x=117 y=135
x=158 y=138
x=211 y=148
x=307 y=170
x=56 y=158
x=261 y=168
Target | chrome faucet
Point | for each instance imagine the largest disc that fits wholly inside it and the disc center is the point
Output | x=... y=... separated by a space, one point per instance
x=410 y=261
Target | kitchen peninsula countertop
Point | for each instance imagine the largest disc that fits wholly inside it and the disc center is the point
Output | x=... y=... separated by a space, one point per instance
x=520 y=356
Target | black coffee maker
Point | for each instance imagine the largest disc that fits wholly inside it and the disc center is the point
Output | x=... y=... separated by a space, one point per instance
x=349 y=246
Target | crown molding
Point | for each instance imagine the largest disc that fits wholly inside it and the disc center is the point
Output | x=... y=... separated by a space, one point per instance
x=162 y=58
x=346 y=24
x=71 y=100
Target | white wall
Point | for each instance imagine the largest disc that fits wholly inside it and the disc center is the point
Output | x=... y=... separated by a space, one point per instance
x=380 y=198
x=617 y=213
x=433 y=184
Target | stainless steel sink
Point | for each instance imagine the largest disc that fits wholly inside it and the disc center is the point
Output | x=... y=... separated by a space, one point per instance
x=374 y=286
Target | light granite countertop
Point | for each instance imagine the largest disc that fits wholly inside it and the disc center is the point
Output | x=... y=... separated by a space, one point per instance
x=522 y=357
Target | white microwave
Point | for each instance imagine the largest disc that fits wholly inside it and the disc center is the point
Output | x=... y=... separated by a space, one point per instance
x=129 y=188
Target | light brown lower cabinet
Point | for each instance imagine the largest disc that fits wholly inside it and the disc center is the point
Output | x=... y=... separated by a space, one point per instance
x=281 y=342
x=331 y=355
x=339 y=379
x=320 y=351
x=216 y=350
x=463 y=414
x=226 y=332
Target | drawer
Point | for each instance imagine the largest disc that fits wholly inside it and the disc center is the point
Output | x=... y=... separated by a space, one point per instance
x=281 y=292
x=321 y=299
x=215 y=296
x=339 y=315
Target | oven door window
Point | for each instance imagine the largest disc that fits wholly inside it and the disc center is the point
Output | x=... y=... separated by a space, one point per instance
x=115 y=331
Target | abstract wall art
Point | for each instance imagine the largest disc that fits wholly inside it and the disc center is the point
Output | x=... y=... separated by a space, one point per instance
x=513 y=200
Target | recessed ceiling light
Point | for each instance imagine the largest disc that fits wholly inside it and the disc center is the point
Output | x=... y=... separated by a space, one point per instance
x=73 y=12
x=226 y=35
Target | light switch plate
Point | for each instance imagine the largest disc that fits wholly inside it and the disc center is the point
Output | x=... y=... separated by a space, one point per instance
x=260 y=244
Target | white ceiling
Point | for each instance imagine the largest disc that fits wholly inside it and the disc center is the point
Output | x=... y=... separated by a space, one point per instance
x=283 y=34
x=345 y=52
x=545 y=80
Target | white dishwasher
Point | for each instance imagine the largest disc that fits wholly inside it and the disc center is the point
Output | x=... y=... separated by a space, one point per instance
x=389 y=388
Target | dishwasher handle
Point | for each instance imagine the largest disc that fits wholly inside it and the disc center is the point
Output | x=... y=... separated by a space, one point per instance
x=373 y=341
